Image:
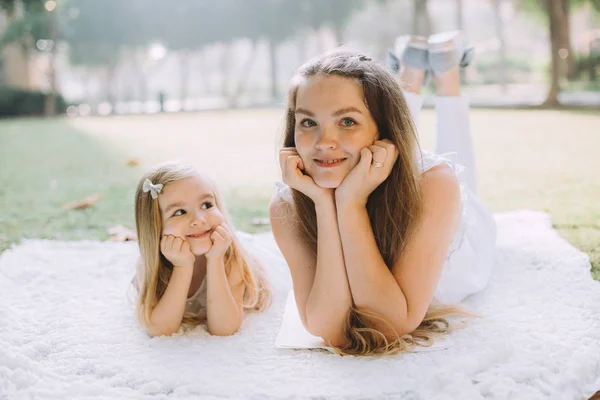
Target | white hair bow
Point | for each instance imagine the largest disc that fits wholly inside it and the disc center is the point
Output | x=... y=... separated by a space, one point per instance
x=154 y=190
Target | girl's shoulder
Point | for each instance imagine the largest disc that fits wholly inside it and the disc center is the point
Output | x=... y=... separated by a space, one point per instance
x=138 y=279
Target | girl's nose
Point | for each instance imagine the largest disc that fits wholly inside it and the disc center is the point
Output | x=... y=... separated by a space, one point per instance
x=199 y=219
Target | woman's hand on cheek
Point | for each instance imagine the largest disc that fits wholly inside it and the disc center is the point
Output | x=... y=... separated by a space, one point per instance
x=292 y=172
x=221 y=238
x=375 y=165
x=177 y=251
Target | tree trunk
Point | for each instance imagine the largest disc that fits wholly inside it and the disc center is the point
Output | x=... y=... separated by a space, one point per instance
x=16 y=57
x=459 y=15
x=50 y=106
x=184 y=70
x=421 y=19
x=273 y=61
x=502 y=50
x=202 y=72
x=108 y=88
x=568 y=64
x=243 y=79
x=461 y=27
x=555 y=18
x=303 y=46
x=142 y=80
x=338 y=34
x=225 y=72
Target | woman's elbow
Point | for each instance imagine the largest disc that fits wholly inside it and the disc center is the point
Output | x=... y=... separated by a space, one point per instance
x=332 y=335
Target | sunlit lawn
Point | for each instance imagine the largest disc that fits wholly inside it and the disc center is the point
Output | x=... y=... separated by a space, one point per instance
x=542 y=160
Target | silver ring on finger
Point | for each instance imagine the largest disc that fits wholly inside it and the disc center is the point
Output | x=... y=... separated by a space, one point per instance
x=377 y=164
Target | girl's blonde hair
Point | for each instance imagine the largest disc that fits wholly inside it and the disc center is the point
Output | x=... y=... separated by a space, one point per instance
x=394 y=208
x=157 y=269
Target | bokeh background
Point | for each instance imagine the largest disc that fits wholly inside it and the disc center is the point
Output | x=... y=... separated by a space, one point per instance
x=94 y=92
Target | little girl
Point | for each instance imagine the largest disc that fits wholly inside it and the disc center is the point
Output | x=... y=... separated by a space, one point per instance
x=192 y=266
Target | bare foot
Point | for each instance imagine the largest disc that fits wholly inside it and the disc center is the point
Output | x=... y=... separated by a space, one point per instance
x=447 y=83
x=413 y=79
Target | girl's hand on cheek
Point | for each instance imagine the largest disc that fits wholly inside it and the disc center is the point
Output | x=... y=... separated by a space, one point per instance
x=221 y=238
x=177 y=251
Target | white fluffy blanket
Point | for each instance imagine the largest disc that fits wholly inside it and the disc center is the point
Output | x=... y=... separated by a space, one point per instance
x=67 y=331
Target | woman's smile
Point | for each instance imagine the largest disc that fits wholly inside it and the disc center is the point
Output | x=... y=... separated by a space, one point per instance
x=329 y=162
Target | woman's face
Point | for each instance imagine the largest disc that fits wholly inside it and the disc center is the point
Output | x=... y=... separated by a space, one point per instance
x=333 y=124
x=189 y=211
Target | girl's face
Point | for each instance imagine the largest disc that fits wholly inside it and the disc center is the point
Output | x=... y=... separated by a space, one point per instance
x=333 y=124
x=189 y=211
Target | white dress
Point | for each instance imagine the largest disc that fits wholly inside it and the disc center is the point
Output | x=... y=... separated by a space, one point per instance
x=470 y=255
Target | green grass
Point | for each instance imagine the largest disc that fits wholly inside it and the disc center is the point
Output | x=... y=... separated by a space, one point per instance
x=541 y=160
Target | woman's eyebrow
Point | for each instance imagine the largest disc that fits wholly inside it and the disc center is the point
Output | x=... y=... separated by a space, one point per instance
x=335 y=114
x=303 y=111
x=346 y=110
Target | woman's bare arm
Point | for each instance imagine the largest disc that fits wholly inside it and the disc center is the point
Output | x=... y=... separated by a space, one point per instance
x=320 y=283
x=401 y=294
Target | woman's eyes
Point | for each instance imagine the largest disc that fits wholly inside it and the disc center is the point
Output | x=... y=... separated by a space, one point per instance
x=307 y=123
x=344 y=122
x=347 y=122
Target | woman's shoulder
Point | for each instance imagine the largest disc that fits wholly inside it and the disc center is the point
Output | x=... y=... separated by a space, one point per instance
x=427 y=160
x=282 y=202
x=441 y=189
x=282 y=211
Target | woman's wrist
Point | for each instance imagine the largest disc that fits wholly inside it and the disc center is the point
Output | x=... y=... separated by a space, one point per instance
x=324 y=200
x=344 y=203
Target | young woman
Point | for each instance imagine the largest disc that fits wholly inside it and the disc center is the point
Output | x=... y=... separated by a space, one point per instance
x=375 y=230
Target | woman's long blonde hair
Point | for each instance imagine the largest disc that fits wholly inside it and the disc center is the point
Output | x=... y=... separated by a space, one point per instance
x=394 y=208
x=157 y=269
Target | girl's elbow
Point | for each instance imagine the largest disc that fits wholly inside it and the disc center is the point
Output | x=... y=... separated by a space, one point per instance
x=154 y=331
x=164 y=329
x=223 y=331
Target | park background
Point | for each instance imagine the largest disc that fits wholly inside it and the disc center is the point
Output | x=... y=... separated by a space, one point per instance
x=92 y=93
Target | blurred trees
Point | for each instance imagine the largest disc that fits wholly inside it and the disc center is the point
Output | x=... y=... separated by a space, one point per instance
x=25 y=25
x=557 y=14
x=421 y=19
x=105 y=35
x=101 y=34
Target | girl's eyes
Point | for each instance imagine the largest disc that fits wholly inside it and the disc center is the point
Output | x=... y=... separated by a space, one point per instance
x=205 y=206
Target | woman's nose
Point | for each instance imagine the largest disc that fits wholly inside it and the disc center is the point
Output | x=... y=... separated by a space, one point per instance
x=327 y=139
